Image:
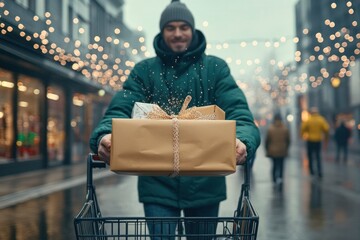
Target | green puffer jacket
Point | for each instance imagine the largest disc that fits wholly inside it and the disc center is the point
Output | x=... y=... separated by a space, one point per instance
x=166 y=80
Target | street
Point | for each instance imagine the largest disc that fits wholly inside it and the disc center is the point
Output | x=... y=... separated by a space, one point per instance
x=305 y=208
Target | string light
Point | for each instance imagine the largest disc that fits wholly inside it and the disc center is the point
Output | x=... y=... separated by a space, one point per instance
x=342 y=39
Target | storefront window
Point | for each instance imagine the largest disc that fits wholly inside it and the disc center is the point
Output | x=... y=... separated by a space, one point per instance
x=6 y=117
x=28 y=122
x=79 y=127
x=87 y=111
x=55 y=125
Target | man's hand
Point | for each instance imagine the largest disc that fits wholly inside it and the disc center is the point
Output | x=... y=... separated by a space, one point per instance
x=104 y=148
x=241 y=153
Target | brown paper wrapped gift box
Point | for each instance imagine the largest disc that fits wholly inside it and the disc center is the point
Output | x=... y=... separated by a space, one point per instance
x=145 y=147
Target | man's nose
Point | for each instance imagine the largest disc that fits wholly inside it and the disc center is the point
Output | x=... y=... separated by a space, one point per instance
x=177 y=32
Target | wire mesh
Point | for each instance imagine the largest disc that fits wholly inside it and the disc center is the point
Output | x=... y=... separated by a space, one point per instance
x=89 y=226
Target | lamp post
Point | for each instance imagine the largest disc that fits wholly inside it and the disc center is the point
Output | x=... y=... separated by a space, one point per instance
x=335 y=82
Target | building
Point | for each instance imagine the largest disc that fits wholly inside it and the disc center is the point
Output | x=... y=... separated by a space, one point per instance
x=60 y=63
x=328 y=57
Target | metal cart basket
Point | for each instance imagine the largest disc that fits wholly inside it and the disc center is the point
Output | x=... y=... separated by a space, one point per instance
x=90 y=224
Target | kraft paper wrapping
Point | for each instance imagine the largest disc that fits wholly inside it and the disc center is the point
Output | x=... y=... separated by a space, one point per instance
x=145 y=147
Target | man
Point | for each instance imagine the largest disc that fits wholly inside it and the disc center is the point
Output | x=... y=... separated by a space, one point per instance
x=315 y=130
x=181 y=68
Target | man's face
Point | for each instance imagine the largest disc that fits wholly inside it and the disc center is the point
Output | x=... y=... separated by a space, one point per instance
x=178 y=36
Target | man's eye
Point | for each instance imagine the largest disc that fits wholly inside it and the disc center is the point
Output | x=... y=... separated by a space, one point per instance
x=185 y=27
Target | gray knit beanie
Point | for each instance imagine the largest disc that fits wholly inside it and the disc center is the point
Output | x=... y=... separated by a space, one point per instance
x=176 y=11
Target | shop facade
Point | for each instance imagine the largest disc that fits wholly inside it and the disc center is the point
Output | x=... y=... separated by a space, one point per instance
x=58 y=73
x=44 y=122
x=329 y=48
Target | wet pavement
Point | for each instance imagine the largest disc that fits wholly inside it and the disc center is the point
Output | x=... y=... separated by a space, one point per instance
x=42 y=204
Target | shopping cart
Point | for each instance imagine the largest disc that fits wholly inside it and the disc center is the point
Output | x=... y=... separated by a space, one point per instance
x=90 y=224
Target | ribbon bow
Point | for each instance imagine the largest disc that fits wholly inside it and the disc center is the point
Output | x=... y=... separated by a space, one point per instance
x=185 y=113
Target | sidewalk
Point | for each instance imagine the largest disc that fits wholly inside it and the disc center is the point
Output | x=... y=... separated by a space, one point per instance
x=306 y=208
x=22 y=187
x=354 y=148
x=339 y=177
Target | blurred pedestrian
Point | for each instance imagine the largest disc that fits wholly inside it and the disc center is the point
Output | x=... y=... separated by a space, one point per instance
x=277 y=142
x=315 y=130
x=342 y=137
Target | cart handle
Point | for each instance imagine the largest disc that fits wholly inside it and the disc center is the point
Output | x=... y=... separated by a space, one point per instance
x=93 y=161
x=246 y=184
x=245 y=188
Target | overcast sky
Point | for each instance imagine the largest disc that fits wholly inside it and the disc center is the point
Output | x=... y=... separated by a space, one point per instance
x=229 y=21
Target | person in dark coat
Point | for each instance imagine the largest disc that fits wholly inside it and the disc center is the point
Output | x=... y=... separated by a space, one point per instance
x=277 y=144
x=342 y=136
x=181 y=68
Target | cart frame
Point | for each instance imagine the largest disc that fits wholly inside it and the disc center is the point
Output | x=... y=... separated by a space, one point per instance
x=90 y=224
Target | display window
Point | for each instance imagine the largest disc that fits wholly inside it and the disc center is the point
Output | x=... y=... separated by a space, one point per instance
x=55 y=124
x=79 y=127
x=99 y=104
x=6 y=116
x=29 y=119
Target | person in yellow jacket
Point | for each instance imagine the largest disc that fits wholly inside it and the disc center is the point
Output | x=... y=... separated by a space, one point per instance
x=314 y=131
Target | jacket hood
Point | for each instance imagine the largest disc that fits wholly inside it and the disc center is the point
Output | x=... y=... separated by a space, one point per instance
x=196 y=49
